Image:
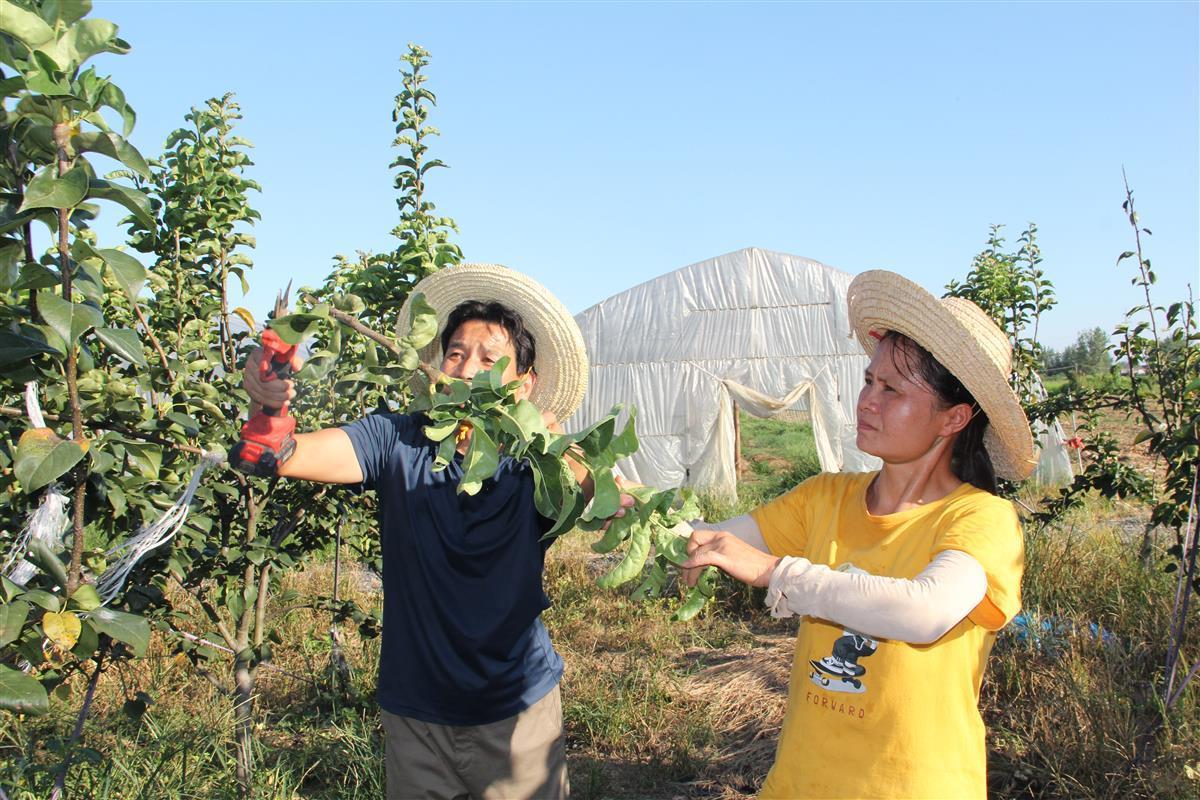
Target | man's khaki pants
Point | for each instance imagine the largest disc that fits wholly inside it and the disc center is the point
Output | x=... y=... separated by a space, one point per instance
x=513 y=759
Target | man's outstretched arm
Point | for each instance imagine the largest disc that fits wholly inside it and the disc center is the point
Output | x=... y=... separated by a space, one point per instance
x=326 y=455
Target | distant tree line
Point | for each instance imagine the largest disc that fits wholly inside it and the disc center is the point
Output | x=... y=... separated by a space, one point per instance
x=1090 y=355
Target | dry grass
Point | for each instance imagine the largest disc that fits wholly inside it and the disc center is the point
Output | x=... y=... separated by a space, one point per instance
x=656 y=709
x=661 y=709
x=1066 y=710
x=746 y=688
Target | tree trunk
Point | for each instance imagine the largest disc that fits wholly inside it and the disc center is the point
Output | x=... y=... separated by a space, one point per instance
x=60 y=782
x=339 y=668
x=243 y=699
x=79 y=473
x=1146 y=551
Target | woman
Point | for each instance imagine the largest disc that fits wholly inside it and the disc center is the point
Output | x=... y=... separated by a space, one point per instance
x=903 y=576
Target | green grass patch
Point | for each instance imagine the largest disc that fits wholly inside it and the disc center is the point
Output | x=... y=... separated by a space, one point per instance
x=776 y=456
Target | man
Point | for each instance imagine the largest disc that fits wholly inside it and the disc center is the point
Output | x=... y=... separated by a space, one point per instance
x=468 y=679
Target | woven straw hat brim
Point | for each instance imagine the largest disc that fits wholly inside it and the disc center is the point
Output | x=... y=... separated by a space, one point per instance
x=965 y=341
x=561 y=355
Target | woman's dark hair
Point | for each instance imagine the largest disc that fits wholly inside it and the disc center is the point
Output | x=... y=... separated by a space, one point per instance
x=969 y=460
x=495 y=314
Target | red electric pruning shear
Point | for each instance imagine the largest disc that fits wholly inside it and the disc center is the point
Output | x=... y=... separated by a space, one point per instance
x=267 y=437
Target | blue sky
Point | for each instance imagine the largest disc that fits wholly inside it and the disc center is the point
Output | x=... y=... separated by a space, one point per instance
x=597 y=145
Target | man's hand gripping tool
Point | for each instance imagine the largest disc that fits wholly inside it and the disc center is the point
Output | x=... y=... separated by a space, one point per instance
x=267 y=437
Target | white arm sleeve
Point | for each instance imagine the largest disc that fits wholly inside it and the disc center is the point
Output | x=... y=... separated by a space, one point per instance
x=743 y=527
x=919 y=611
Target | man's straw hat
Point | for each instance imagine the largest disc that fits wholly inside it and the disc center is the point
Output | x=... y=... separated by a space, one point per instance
x=965 y=341
x=561 y=360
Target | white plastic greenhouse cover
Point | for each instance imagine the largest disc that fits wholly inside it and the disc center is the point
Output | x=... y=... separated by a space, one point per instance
x=766 y=330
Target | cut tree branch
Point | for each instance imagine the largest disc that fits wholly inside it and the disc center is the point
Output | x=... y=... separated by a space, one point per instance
x=435 y=376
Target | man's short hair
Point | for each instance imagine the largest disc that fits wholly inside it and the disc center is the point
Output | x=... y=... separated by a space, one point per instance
x=496 y=314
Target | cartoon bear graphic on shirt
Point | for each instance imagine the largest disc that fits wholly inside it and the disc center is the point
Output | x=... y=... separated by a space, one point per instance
x=840 y=671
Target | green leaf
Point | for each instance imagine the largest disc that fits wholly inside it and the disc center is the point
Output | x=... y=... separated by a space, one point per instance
x=125 y=343
x=36 y=276
x=654 y=583
x=113 y=146
x=21 y=693
x=85 y=598
x=606 y=498
x=9 y=589
x=84 y=39
x=618 y=530
x=48 y=561
x=596 y=440
x=692 y=605
x=423 y=325
x=12 y=620
x=90 y=284
x=15 y=348
x=188 y=424
x=445 y=454
x=627 y=443
x=455 y=393
x=132 y=630
x=669 y=545
x=569 y=515
x=128 y=271
x=548 y=486
x=112 y=96
x=43 y=599
x=136 y=201
x=89 y=640
x=66 y=11
x=43 y=76
x=43 y=457
x=10 y=257
x=495 y=375
x=48 y=191
x=236 y=605
x=295 y=328
x=707 y=583
x=350 y=303
x=523 y=420
x=441 y=430
x=24 y=26
x=482 y=458
x=409 y=359
x=145 y=458
x=631 y=565
x=10 y=87
x=69 y=320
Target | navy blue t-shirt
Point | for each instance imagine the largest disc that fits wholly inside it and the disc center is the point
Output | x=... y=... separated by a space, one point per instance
x=463 y=640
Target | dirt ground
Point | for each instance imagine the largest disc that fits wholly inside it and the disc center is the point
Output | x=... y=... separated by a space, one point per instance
x=1124 y=429
x=749 y=687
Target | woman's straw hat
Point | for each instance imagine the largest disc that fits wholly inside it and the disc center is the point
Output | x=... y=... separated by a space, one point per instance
x=965 y=341
x=561 y=360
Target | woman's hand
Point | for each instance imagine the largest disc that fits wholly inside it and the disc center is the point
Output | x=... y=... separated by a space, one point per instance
x=731 y=555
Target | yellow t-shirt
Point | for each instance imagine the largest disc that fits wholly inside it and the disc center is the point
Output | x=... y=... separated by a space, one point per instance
x=879 y=718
